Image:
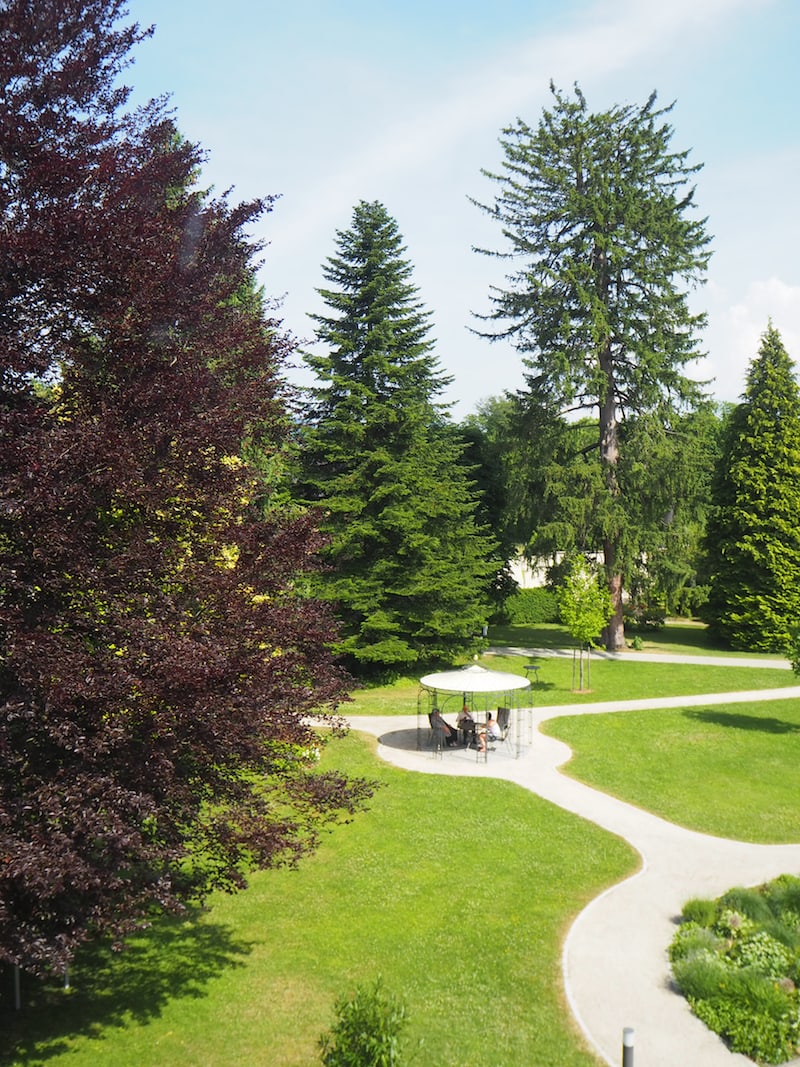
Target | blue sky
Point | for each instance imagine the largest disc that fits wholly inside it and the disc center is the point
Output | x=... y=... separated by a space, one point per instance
x=328 y=102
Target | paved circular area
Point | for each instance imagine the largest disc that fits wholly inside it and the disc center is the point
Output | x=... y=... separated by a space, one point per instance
x=615 y=965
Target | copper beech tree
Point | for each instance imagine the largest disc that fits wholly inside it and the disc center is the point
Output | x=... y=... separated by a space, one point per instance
x=157 y=662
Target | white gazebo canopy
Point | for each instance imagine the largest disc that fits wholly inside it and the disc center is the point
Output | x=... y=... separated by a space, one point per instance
x=481 y=689
x=474 y=679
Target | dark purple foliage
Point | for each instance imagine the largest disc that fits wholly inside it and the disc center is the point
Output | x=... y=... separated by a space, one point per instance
x=157 y=665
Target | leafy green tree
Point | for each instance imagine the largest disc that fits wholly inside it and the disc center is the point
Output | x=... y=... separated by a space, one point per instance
x=753 y=537
x=408 y=566
x=157 y=669
x=585 y=607
x=667 y=469
x=491 y=457
x=489 y=439
x=599 y=219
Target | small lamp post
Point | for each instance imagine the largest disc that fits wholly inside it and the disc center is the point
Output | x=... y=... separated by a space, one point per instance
x=627 y=1047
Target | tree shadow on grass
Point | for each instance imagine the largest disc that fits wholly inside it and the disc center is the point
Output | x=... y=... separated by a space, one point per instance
x=177 y=957
x=738 y=721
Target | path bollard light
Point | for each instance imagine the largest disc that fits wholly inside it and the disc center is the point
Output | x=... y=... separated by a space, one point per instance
x=627 y=1047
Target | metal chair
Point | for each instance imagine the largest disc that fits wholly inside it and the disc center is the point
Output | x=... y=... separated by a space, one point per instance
x=438 y=738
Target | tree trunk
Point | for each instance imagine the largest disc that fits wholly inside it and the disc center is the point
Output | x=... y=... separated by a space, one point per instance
x=614 y=633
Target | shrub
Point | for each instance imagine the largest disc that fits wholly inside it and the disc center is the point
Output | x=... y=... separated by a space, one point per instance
x=702 y=912
x=701 y=977
x=749 y=902
x=752 y=1033
x=763 y=953
x=643 y=617
x=754 y=1015
x=783 y=896
x=732 y=925
x=367 y=1030
x=785 y=931
x=693 y=940
x=532 y=607
x=737 y=962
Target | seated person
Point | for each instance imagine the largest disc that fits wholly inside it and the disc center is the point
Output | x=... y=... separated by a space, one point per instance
x=491 y=730
x=449 y=732
x=466 y=723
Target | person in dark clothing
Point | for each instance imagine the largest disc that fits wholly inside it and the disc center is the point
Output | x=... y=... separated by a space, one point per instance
x=449 y=732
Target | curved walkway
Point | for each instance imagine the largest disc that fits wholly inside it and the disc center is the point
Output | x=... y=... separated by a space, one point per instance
x=615 y=965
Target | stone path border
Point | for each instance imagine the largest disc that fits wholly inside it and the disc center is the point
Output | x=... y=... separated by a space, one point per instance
x=615 y=965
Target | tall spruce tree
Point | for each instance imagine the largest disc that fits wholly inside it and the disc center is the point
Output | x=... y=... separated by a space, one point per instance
x=157 y=668
x=408 y=566
x=598 y=216
x=753 y=535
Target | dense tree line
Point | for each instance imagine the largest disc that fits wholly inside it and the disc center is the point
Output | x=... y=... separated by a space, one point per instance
x=542 y=481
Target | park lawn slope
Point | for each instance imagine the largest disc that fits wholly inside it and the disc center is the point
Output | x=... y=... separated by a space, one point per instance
x=457 y=891
x=727 y=770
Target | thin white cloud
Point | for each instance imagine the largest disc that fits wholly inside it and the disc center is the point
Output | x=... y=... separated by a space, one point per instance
x=606 y=38
x=735 y=331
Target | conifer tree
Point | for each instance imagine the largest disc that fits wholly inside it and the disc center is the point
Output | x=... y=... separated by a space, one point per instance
x=408 y=566
x=601 y=228
x=753 y=537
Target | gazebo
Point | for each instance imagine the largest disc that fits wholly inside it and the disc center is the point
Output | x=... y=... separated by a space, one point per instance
x=481 y=690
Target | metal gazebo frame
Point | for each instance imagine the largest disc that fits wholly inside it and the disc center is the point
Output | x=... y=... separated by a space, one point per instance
x=482 y=691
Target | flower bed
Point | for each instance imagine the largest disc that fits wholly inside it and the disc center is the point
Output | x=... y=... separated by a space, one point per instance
x=737 y=962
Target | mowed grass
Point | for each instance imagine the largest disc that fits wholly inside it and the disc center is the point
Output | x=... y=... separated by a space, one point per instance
x=678 y=635
x=728 y=770
x=457 y=891
x=619 y=679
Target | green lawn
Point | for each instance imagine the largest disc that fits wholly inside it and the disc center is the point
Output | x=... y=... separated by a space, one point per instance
x=457 y=891
x=724 y=770
x=681 y=636
x=626 y=679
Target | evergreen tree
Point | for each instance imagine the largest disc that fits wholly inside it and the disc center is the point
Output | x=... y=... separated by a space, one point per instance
x=754 y=533
x=157 y=668
x=490 y=455
x=597 y=214
x=667 y=468
x=408 y=566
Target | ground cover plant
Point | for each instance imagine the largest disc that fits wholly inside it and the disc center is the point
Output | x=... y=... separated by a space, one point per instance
x=465 y=886
x=737 y=961
x=728 y=770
